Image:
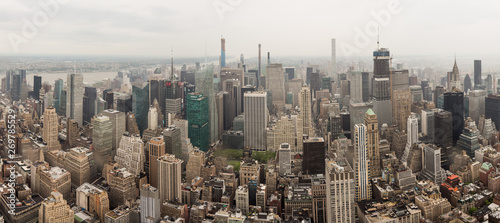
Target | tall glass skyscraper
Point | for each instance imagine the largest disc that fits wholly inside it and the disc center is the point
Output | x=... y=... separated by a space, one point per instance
x=74 y=98
x=58 y=88
x=198 y=120
x=205 y=85
x=140 y=104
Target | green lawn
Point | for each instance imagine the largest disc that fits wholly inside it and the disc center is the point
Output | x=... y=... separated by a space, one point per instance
x=235 y=164
x=234 y=156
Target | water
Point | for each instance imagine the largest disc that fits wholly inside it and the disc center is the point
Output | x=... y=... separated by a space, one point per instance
x=88 y=78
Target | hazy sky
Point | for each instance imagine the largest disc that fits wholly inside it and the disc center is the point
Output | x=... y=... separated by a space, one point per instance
x=283 y=27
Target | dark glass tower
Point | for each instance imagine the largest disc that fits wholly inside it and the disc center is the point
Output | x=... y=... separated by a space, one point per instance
x=37 y=85
x=314 y=151
x=454 y=103
x=477 y=73
x=492 y=109
x=444 y=134
x=197 y=116
x=89 y=98
x=140 y=104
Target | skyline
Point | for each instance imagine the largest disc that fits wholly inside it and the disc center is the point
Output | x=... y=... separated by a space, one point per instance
x=127 y=28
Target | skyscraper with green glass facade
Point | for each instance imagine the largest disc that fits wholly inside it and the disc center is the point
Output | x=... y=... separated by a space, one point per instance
x=198 y=116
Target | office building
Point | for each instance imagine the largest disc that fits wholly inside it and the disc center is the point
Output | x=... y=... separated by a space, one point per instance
x=361 y=164
x=157 y=87
x=468 y=141
x=401 y=108
x=198 y=119
x=314 y=154
x=55 y=178
x=122 y=187
x=285 y=156
x=169 y=177
x=428 y=124
x=477 y=74
x=275 y=82
x=455 y=82
x=102 y=140
x=205 y=86
x=305 y=110
x=492 y=109
x=356 y=89
x=152 y=118
x=118 y=126
x=58 y=88
x=74 y=97
x=373 y=141
x=382 y=105
x=78 y=164
x=140 y=104
x=454 y=103
x=256 y=117
x=130 y=154
x=431 y=169
x=172 y=139
x=412 y=135
x=55 y=209
x=150 y=204
x=194 y=165
x=37 y=85
x=340 y=191
x=93 y=199
x=131 y=124
x=51 y=129
x=89 y=98
x=477 y=104
x=15 y=88
x=156 y=150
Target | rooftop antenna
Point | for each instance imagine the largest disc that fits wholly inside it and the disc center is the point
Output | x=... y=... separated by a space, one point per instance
x=378 y=38
x=172 y=64
x=206 y=51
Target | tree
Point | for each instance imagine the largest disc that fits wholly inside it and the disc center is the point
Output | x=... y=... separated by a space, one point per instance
x=472 y=210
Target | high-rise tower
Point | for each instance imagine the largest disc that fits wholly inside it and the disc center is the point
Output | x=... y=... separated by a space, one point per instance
x=74 y=98
x=50 y=129
x=373 y=141
x=361 y=164
x=256 y=117
x=381 y=85
x=478 y=81
x=222 y=52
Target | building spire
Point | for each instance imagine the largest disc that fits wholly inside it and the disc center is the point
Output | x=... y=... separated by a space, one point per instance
x=378 y=38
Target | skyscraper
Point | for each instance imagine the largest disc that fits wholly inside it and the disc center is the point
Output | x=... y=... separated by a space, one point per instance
x=454 y=103
x=340 y=191
x=169 y=177
x=58 y=88
x=256 y=117
x=412 y=135
x=102 y=140
x=172 y=139
x=74 y=97
x=334 y=60
x=356 y=88
x=401 y=108
x=373 y=141
x=275 y=82
x=156 y=150
x=51 y=129
x=382 y=86
x=157 y=91
x=467 y=83
x=305 y=109
x=222 y=52
x=285 y=156
x=444 y=134
x=198 y=119
x=37 y=85
x=432 y=169
x=89 y=98
x=492 y=109
x=205 y=85
x=15 y=89
x=477 y=104
x=152 y=118
x=428 y=124
x=314 y=154
x=140 y=104
x=118 y=126
x=361 y=164
x=477 y=74
x=150 y=204
x=455 y=81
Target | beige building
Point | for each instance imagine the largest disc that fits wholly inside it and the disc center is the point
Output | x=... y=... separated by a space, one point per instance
x=283 y=132
x=193 y=167
x=305 y=110
x=401 y=108
x=169 y=177
x=432 y=206
x=102 y=140
x=362 y=173
x=373 y=141
x=51 y=129
x=118 y=126
x=156 y=150
x=77 y=163
x=130 y=153
x=55 y=178
x=275 y=81
x=92 y=199
x=249 y=171
x=55 y=209
x=340 y=191
x=242 y=200
x=122 y=187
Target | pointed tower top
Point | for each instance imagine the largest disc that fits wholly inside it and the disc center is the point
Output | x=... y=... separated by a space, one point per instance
x=370 y=112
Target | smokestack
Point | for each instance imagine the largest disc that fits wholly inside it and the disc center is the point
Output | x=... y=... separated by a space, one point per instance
x=258 y=75
x=268 y=58
x=223 y=52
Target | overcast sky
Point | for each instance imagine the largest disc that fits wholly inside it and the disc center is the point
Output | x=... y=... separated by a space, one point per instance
x=283 y=27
